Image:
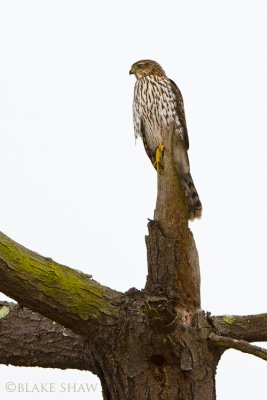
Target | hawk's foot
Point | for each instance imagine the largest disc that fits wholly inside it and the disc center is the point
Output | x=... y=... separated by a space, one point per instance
x=159 y=155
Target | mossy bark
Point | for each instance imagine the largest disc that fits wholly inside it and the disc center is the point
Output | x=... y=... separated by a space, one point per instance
x=60 y=293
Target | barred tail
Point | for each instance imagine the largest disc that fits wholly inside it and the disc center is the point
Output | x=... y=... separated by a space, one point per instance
x=193 y=201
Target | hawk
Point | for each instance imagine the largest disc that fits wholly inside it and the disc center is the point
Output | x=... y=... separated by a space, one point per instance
x=158 y=104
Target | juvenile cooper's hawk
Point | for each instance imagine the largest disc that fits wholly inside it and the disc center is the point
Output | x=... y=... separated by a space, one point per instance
x=157 y=104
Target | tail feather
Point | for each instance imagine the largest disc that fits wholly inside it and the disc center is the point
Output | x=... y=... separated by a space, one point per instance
x=193 y=201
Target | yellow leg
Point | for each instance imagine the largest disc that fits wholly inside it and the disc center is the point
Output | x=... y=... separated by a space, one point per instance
x=157 y=162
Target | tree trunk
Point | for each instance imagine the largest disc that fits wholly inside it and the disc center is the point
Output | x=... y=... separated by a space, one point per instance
x=161 y=350
x=158 y=353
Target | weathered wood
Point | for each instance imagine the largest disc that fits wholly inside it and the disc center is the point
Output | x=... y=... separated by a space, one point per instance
x=171 y=207
x=173 y=266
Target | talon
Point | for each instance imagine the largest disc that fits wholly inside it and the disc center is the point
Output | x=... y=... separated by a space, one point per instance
x=159 y=152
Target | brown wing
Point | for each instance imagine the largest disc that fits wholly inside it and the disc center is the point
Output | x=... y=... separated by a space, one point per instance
x=180 y=111
x=149 y=152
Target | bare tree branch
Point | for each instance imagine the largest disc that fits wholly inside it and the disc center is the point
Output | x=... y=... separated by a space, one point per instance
x=31 y=340
x=241 y=345
x=173 y=267
x=62 y=294
x=171 y=207
x=252 y=328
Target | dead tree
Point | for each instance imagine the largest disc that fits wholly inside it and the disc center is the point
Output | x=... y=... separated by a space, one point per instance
x=151 y=344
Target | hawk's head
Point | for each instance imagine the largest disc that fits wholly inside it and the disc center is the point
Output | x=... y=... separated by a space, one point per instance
x=146 y=67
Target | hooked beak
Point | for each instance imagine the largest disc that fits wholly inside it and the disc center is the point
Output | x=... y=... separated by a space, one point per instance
x=131 y=72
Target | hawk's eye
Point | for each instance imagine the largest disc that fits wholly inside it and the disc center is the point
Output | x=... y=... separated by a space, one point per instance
x=140 y=65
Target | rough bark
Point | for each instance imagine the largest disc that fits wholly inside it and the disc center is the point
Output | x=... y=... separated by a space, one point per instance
x=173 y=268
x=252 y=328
x=143 y=345
x=31 y=340
x=159 y=354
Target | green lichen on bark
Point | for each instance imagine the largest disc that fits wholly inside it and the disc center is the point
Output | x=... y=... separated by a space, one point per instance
x=80 y=294
x=228 y=319
x=4 y=311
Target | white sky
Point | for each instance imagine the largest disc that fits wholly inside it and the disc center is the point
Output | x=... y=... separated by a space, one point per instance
x=75 y=187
